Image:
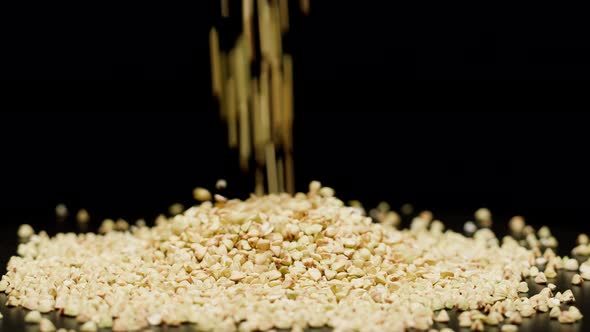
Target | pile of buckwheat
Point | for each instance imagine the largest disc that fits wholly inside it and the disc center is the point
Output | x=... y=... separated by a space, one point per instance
x=285 y=262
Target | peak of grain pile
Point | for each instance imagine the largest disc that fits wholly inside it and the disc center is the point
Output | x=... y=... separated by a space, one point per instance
x=276 y=261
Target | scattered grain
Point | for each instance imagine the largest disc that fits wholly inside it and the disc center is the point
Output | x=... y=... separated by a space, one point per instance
x=89 y=326
x=442 y=317
x=516 y=224
x=121 y=225
x=469 y=227
x=515 y=318
x=45 y=325
x=550 y=272
x=175 y=209
x=407 y=209
x=483 y=216
x=107 y=226
x=571 y=264
x=555 y=312
x=61 y=211
x=509 y=328
x=528 y=230
x=544 y=232
x=567 y=296
x=82 y=217
x=201 y=194
x=541 y=278
x=33 y=317
x=523 y=287
x=25 y=231
x=221 y=184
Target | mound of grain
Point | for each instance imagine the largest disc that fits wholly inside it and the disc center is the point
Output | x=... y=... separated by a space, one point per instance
x=277 y=261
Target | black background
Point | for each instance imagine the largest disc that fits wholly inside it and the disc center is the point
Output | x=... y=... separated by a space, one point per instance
x=383 y=40
x=135 y=164
x=141 y=139
x=122 y=122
